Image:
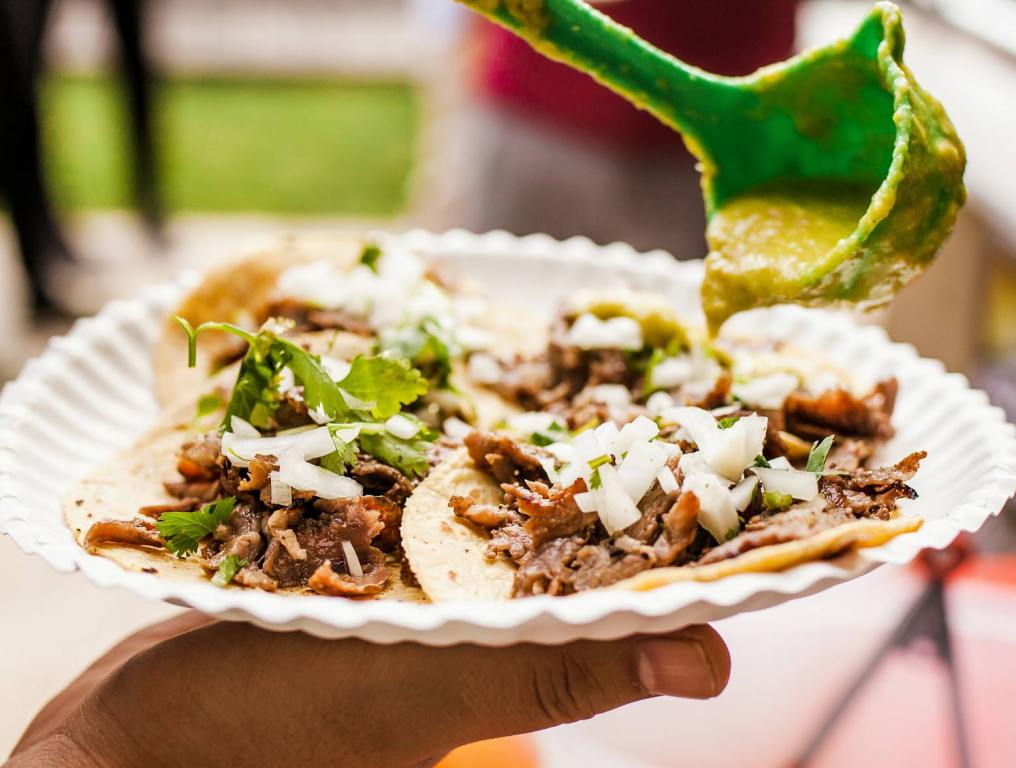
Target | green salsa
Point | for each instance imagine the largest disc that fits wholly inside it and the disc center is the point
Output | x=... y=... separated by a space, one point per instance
x=771 y=241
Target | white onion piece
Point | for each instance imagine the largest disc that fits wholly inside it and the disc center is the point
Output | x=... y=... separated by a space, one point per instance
x=695 y=463
x=532 y=421
x=590 y=332
x=287 y=384
x=743 y=492
x=673 y=372
x=587 y=501
x=304 y=476
x=354 y=402
x=780 y=462
x=282 y=494
x=563 y=452
x=348 y=434
x=638 y=470
x=588 y=447
x=659 y=402
x=318 y=414
x=607 y=434
x=311 y=444
x=700 y=424
x=456 y=428
x=717 y=513
x=792 y=482
x=732 y=450
x=550 y=467
x=402 y=428
x=616 y=509
x=612 y=395
x=335 y=368
x=484 y=369
x=638 y=431
x=668 y=483
x=472 y=338
x=242 y=428
x=766 y=391
x=352 y=561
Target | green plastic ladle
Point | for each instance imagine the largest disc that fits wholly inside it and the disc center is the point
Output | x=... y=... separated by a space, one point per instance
x=829 y=178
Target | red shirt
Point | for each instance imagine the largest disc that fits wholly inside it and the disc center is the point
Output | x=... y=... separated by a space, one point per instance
x=730 y=37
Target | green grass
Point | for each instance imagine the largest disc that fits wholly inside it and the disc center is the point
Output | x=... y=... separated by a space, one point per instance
x=281 y=146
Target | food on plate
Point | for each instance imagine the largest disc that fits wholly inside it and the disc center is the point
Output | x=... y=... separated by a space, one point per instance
x=382 y=434
x=638 y=465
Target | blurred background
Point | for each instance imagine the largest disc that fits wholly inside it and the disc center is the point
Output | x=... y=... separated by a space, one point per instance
x=141 y=137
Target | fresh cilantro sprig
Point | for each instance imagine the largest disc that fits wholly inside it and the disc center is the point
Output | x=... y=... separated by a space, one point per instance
x=728 y=422
x=370 y=255
x=761 y=461
x=552 y=433
x=387 y=382
x=409 y=456
x=227 y=571
x=183 y=531
x=427 y=345
x=818 y=455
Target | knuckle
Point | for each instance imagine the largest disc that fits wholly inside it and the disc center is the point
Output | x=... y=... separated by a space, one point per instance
x=564 y=688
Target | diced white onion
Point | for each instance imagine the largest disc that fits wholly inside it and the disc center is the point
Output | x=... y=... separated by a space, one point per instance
x=318 y=415
x=532 y=421
x=612 y=395
x=402 y=428
x=667 y=481
x=472 y=338
x=780 y=462
x=792 y=482
x=354 y=402
x=456 y=428
x=484 y=369
x=242 y=428
x=590 y=332
x=640 y=430
x=304 y=476
x=287 y=383
x=695 y=368
x=729 y=451
x=335 y=368
x=695 y=463
x=352 y=561
x=768 y=392
x=616 y=509
x=659 y=402
x=282 y=494
x=561 y=451
x=743 y=492
x=311 y=444
x=717 y=513
x=348 y=434
x=638 y=470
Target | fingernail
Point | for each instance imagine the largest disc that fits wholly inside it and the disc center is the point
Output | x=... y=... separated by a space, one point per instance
x=677 y=667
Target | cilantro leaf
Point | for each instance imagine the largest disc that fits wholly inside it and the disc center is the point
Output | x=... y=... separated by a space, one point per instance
x=777 y=502
x=554 y=433
x=818 y=455
x=230 y=566
x=427 y=346
x=407 y=456
x=183 y=531
x=319 y=389
x=207 y=405
x=760 y=461
x=387 y=382
x=369 y=256
x=728 y=422
x=343 y=457
x=594 y=479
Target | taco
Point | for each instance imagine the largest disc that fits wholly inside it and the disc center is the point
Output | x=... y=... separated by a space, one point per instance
x=648 y=457
x=384 y=294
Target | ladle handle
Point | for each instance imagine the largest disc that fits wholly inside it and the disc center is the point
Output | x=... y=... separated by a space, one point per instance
x=571 y=31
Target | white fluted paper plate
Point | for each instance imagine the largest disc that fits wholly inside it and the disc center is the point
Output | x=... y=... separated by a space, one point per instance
x=91 y=393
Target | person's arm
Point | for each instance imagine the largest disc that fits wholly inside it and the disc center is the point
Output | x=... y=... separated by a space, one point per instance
x=229 y=694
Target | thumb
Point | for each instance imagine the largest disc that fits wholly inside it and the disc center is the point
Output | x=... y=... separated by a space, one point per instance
x=483 y=693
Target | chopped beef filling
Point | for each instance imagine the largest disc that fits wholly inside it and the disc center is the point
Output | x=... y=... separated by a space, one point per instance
x=303 y=544
x=138 y=533
x=307 y=318
x=560 y=550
